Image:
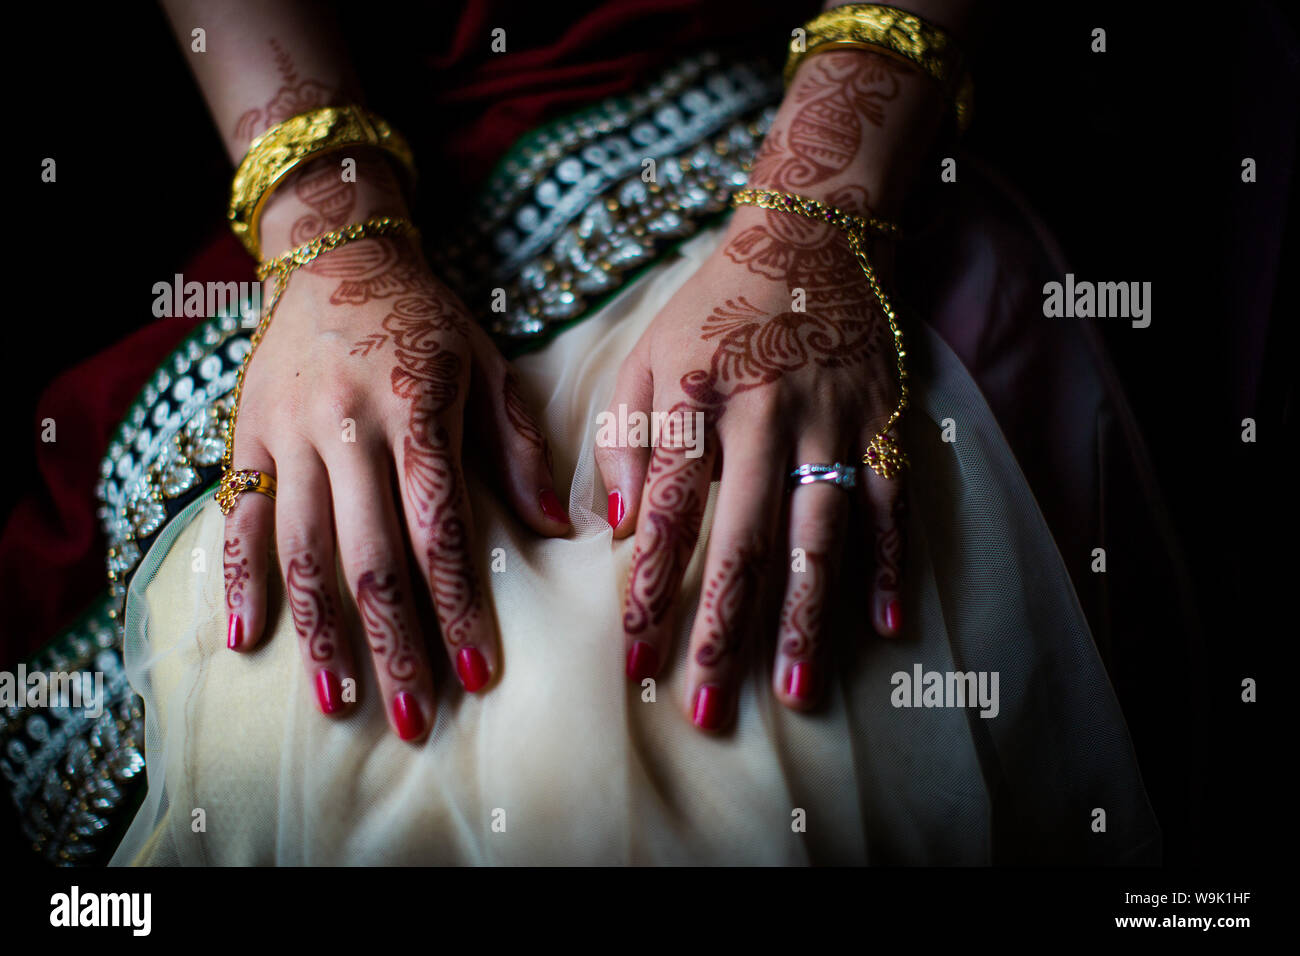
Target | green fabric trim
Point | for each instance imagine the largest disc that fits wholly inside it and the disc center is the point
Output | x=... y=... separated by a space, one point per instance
x=527 y=144
x=514 y=350
x=168 y=364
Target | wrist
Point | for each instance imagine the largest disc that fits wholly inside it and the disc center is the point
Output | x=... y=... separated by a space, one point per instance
x=327 y=194
x=855 y=120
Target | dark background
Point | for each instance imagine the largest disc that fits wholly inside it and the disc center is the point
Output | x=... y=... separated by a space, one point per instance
x=1133 y=157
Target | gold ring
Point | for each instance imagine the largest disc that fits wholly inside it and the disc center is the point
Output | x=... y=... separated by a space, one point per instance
x=235 y=483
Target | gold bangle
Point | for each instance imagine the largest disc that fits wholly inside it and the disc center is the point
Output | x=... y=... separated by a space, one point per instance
x=893 y=32
x=281 y=268
x=883 y=454
x=285 y=146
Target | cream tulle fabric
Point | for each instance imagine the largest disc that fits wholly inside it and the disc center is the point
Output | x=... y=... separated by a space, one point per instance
x=579 y=768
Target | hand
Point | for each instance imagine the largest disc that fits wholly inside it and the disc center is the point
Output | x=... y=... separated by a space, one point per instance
x=355 y=401
x=779 y=348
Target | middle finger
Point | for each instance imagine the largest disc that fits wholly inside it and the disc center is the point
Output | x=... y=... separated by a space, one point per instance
x=374 y=562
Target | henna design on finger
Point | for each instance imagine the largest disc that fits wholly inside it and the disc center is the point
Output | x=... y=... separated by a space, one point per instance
x=728 y=603
x=889 y=549
x=313 y=611
x=673 y=510
x=380 y=602
x=517 y=412
x=455 y=580
x=521 y=419
x=235 y=570
x=804 y=609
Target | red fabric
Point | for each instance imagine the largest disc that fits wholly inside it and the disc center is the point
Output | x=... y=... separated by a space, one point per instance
x=604 y=51
x=580 y=53
x=52 y=550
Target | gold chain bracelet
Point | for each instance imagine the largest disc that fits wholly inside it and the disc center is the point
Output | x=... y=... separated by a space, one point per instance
x=883 y=455
x=234 y=483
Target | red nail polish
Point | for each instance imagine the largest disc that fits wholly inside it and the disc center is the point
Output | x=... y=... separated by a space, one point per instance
x=472 y=668
x=329 y=692
x=894 y=615
x=642 y=661
x=710 y=709
x=234 y=632
x=799 y=682
x=616 y=509
x=551 y=506
x=407 y=716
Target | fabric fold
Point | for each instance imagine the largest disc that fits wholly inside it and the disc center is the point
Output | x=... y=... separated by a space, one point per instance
x=565 y=762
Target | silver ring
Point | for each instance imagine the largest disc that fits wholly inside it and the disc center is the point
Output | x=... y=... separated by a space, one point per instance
x=845 y=476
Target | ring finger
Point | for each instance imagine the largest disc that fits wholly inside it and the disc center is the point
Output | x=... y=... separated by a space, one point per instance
x=819 y=512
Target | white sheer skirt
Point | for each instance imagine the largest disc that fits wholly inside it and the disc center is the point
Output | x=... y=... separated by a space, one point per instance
x=565 y=762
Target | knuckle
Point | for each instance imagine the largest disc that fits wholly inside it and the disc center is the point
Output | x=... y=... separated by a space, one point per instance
x=375 y=554
x=299 y=541
x=818 y=532
x=242 y=523
x=336 y=402
x=883 y=496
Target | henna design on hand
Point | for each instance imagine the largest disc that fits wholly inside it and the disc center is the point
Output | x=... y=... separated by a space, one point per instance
x=379 y=601
x=313 y=613
x=841 y=328
x=332 y=202
x=295 y=95
x=837 y=95
x=235 y=568
x=372 y=269
x=428 y=375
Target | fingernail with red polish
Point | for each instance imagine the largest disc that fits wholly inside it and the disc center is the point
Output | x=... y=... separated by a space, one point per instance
x=799 y=682
x=472 y=668
x=642 y=661
x=329 y=692
x=710 y=707
x=234 y=632
x=894 y=615
x=407 y=716
x=551 y=506
x=616 y=509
